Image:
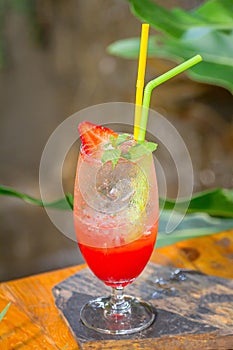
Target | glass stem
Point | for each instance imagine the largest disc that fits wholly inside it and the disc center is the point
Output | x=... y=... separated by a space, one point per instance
x=118 y=303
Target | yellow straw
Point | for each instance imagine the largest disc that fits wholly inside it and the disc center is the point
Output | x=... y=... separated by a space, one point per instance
x=140 y=78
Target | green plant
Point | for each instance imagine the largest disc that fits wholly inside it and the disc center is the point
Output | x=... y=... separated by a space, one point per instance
x=208 y=212
x=206 y=30
x=4 y=311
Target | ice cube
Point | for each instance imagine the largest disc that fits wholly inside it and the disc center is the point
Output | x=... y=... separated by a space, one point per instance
x=110 y=189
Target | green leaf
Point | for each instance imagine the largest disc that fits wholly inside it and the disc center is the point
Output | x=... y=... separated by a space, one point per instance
x=217 y=67
x=150 y=146
x=207 y=30
x=217 y=202
x=157 y=16
x=121 y=138
x=217 y=11
x=116 y=141
x=70 y=200
x=126 y=48
x=112 y=155
x=193 y=225
x=112 y=140
x=139 y=150
x=214 y=14
x=4 y=311
x=63 y=203
x=129 y=48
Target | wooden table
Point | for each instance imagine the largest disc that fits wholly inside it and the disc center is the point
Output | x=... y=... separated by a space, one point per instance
x=33 y=321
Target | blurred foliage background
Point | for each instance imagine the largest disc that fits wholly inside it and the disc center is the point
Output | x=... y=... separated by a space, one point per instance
x=54 y=62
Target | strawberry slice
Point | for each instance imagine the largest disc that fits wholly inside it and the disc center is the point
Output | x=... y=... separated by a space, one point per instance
x=93 y=135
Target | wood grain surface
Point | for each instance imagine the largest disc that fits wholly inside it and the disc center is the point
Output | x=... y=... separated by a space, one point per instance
x=34 y=322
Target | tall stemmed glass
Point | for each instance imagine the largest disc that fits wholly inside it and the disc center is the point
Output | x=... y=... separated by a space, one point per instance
x=116 y=223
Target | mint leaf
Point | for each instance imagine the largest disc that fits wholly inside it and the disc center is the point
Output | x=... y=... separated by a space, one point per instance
x=116 y=141
x=108 y=146
x=135 y=152
x=150 y=146
x=139 y=150
x=112 y=155
x=122 y=138
x=112 y=140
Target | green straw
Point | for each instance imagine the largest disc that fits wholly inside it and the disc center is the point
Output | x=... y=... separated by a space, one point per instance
x=153 y=83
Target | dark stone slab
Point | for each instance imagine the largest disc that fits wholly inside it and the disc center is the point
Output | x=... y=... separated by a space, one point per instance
x=186 y=302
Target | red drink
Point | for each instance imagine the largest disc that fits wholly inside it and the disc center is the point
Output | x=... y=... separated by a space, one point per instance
x=120 y=265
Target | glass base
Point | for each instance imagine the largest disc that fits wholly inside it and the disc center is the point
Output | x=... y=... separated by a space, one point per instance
x=135 y=316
